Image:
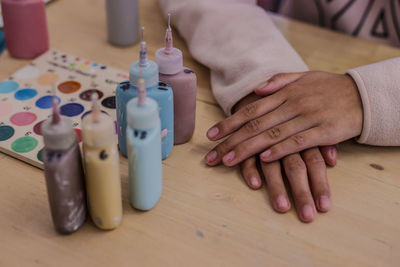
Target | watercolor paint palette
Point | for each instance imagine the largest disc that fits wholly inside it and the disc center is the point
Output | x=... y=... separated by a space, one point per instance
x=26 y=96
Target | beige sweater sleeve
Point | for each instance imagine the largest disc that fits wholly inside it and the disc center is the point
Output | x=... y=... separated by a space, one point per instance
x=379 y=87
x=236 y=40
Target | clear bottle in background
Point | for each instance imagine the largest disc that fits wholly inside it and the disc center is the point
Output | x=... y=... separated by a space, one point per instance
x=101 y=157
x=122 y=22
x=25 y=28
x=64 y=173
x=144 y=150
x=183 y=82
x=160 y=92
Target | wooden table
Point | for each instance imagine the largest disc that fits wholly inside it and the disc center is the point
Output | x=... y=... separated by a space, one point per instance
x=208 y=216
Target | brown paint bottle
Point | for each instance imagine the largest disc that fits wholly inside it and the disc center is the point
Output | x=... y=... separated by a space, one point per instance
x=64 y=173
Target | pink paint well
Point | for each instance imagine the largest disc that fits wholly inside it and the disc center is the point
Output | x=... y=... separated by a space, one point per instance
x=23 y=118
x=78 y=134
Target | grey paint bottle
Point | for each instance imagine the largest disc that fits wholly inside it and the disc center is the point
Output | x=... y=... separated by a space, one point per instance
x=122 y=22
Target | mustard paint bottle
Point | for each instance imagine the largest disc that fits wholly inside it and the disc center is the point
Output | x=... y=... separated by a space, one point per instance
x=101 y=156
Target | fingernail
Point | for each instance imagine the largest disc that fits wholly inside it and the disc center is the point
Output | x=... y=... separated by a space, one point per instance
x=254 y=181
x=262 y=85
x=213 y=132
x=229 y=157
x=308 y=213
x=211 y=156
x=265 y=154
x=324 y=203
x=282 y=203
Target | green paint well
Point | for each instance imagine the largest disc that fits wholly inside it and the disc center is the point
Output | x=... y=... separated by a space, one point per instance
x=24 y=144
x=6 y=132
x=40 y=155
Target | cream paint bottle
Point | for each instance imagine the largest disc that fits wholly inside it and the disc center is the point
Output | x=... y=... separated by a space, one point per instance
x=101 y=157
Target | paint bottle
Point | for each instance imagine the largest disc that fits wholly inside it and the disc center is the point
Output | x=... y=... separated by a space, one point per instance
x=183 y=82
x=160 y=92
x=122 y=22
x=64 y=173
x=144 y=150
x=101 y=157
x=25 y=27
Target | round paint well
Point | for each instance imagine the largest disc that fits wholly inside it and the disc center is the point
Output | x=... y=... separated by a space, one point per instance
x=46 y=101
x=23 y=118
x=40 y=155
x=47 y=79
x=27 y=73
x=25 y=94
x=24 y=144
x=109 y=102
x=5 y=108
x=6 y=132
x=37 y=129
x=71 y=109
x=69 y=87
x=7 y=87
x=87 y=95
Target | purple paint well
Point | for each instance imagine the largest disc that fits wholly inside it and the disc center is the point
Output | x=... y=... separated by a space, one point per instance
x=71 y=109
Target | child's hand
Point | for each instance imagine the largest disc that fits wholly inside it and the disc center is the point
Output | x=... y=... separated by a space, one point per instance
x=314 y=109
x=299 y=169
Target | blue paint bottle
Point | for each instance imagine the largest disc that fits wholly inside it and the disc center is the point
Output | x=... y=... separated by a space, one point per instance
x=144 y=150
x=160 y=92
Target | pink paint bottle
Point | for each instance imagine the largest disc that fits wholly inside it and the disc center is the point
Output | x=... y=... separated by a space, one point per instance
x=25 y=27
x=183 y=82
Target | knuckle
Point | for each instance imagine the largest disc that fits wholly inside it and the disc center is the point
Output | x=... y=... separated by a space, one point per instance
x=294 y=164
x=249 y=110
x=274 y=133
x=253 y=126
x=299 y=140
x=304 y=102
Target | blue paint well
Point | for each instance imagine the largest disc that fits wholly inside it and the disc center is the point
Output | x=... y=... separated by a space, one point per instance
x=25 y=94
x=45 y=102
x=71 y=109
x=8 y=86
x=6 y=132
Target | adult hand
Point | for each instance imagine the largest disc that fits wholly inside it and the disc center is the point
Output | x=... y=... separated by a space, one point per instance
x=313 y=109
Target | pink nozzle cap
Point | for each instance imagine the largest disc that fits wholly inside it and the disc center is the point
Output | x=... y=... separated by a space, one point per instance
x=168 y=58
x=56 y=112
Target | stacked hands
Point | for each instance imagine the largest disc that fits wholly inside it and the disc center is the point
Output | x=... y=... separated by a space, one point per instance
x=291 y=123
